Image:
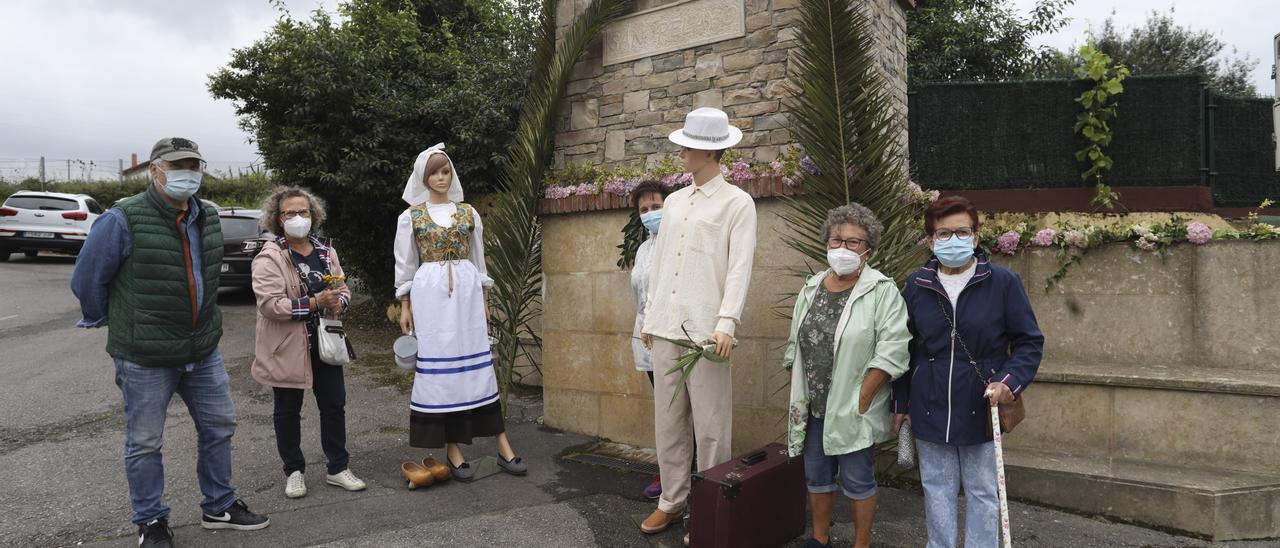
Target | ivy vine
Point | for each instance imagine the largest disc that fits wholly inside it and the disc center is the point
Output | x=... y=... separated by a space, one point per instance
x=1099 y=107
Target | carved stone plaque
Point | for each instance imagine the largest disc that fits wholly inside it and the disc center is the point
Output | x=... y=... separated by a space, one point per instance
x=673 y=27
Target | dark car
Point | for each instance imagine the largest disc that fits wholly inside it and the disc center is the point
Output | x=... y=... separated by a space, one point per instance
x=243 y=239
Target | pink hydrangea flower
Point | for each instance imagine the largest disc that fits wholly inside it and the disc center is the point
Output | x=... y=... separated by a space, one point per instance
x=1198 y=233
x=1008 y=243
x=1044 y=238
x=1075 y=238
x=585 y=189
x=740 y=172
x=776 y=167
x=790 y=182
x=616 y=186
x=557 y=192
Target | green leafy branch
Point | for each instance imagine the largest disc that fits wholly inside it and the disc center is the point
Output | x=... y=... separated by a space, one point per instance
x=1099 y=107
x=694 y=352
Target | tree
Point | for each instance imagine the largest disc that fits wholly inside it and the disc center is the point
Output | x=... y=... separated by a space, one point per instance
x=1161 y=46
x=344 y=106
x=978 y=39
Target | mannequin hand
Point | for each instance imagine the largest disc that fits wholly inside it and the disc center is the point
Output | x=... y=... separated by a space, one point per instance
x=406 y=318
x=724 y=344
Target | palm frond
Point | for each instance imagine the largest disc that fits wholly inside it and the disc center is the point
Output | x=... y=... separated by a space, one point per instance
x=842 y=116
x=513 y=241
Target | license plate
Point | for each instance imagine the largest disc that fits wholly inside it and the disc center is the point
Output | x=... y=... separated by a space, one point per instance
x=226 y=268
x=39 y=234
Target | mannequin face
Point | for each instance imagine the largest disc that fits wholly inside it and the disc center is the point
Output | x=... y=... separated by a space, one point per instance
x=693 y=160
x=438 y=182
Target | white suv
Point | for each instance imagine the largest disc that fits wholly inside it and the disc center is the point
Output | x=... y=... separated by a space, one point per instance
x=32 y=222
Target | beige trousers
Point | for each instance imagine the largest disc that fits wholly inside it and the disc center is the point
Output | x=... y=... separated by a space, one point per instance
x=701 y=414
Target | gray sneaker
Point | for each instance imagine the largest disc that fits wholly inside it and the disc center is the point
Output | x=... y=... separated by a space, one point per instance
x=515 y=467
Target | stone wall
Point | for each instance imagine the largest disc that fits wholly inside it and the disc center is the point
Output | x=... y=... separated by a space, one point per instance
x=628 y=93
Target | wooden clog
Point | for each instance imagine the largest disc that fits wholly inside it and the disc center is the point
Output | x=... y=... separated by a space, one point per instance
x=438 y=470
x=417 y=475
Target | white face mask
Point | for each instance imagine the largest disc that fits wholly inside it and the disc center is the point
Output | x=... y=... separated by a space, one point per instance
x=843 y=261
x=297 y=227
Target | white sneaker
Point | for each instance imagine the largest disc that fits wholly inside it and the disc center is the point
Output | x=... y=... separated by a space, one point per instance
x=295 y=486
x=346 y=480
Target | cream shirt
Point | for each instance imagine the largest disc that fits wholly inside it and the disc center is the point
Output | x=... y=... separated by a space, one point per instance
x=701 y=262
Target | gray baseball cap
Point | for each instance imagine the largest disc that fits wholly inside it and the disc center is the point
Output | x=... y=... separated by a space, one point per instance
x=172 y=149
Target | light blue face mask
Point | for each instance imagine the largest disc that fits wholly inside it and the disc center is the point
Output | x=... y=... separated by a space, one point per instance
x=953 y=252
x=181 y=184
x=651 y=220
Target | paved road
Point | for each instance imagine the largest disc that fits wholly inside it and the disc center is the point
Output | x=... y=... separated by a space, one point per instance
x=63 y=481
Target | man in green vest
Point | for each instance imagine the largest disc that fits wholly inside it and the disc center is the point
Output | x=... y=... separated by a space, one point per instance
x=149 y=272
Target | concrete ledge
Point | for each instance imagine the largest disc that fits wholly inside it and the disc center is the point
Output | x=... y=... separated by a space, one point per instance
x=1214 y=504
x=1200 y=379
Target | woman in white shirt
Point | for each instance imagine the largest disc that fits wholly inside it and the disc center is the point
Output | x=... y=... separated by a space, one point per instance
x=440 y=280
x=647 y=198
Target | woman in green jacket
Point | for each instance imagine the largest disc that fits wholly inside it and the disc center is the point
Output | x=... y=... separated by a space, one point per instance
x=848 y=340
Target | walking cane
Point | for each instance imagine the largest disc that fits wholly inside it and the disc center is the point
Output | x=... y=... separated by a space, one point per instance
x=1000 y=484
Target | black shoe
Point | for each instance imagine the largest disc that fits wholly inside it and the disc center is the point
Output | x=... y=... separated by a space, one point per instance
x=237 y=517
x=155 y=534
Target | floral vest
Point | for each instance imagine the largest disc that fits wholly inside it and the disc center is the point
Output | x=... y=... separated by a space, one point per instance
x=437 y=243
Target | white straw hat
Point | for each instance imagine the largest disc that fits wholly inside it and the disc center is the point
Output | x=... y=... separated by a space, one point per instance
x=706 y=128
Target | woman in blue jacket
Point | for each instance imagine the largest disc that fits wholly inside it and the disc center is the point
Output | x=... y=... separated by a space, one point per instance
x=995 y=346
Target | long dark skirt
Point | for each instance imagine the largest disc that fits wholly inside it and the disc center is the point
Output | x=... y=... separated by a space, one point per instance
x=430 y=430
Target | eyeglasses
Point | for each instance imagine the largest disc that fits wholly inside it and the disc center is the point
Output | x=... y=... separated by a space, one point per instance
x=850 y=243
x=944 y=234
x=304 y=213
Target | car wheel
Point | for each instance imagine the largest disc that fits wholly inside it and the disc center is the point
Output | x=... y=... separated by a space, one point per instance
x=31 y=254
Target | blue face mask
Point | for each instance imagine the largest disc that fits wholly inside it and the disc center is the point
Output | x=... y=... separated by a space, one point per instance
x=181 y=184
x=651 y=220
x=953 y=252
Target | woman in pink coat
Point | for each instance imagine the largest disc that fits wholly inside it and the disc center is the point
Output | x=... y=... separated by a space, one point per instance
x=297 y=279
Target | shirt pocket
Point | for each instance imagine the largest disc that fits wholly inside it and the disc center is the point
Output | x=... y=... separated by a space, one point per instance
x=706 y=237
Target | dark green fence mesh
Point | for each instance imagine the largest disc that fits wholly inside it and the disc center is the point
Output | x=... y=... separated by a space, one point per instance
x=988 y=135
x=996 y=135
x=1243 y=152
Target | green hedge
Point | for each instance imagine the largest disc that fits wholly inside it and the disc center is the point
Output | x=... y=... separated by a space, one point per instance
x=246 y=191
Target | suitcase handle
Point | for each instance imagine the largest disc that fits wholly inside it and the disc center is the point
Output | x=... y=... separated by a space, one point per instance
x=754 y=458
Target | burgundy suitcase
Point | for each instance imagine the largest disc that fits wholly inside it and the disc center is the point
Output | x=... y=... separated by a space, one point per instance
x=754 y=500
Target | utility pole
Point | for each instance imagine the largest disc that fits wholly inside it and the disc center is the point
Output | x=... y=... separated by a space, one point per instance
x=68 y=170
x=42 y=179
x=121 y=170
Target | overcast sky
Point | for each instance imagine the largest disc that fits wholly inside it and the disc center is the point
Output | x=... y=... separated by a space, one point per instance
x=99 y=79
x=1247 y=25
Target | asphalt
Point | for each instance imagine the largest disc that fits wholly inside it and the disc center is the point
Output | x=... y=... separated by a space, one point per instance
x=63 y=479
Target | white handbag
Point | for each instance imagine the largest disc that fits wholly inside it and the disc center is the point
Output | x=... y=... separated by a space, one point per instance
x=333 y=342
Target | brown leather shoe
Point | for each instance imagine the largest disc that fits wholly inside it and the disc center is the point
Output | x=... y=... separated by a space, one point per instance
x=658 y=522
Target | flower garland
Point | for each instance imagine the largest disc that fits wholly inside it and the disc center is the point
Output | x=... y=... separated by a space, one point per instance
x=1074 y=242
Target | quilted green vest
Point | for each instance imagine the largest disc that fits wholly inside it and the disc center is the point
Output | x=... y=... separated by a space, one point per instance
x=151 y=314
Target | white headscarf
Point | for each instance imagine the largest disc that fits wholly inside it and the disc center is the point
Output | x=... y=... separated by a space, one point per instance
x=416 y=192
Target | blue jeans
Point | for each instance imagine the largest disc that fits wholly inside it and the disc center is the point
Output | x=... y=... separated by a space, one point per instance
x=856 y=469
x=206 y=389
x=944 y=469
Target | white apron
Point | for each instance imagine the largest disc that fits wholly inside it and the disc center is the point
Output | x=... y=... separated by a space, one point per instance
x=455 y=364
